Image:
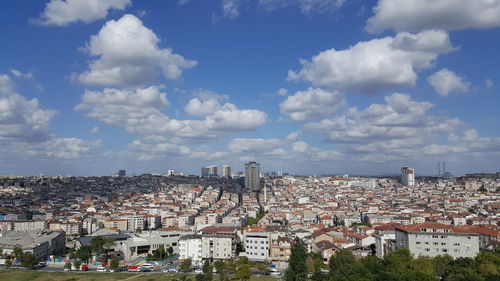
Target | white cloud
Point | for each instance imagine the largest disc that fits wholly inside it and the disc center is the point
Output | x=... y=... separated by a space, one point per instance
x=139 y=111
x=306 y=6
x=21 y=119
x=312 y=103
x=293 y=136
x=375 y=65
x=446 y=81
x=24 y=128
x=19 y=74
x=64 y=12
x=300 y=146
x=401 y=128
x=138 y=63
x=282 y=92
x=253 y=145
x=95 y=130
x=230 y=8
x=205 y=104
x=418 y=15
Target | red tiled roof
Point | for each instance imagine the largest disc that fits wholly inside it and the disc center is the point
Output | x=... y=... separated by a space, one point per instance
x=432 y=225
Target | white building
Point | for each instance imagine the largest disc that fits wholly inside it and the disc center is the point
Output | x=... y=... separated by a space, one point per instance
x=433 y=239
x=135 y=222
x=226 y=171
x=256 y=244
x=190 y=248
x=407 y=176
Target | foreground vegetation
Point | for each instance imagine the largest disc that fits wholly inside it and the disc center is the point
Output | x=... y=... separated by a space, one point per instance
x=28 y=275
x=396 y=266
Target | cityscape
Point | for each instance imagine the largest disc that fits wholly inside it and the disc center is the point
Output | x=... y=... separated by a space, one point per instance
x=266 y=140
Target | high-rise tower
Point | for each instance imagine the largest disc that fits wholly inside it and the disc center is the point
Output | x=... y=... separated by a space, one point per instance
x=252 y=176
x=407 y=176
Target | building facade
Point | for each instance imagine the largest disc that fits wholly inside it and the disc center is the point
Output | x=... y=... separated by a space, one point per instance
x=190 y=248
x=407 y=176
x=252 y=176
x=256 y=244
x=434 y=239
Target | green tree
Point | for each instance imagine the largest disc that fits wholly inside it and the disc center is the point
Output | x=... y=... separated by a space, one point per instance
x=158 y=254
x=99 y=244
x=243 y=272
x=28 y=260
x=170 y=251
x=314 y=262
x=1 y=252
x=77 y=264
x=297 y=264
x=138 y=230
x=67 y=265
x=84 y=253
x=8 y=263
x=115 y=263
x=17 y=252
x=220 y=267
x=207 y=270
x=185 y=265
x=442 y=265
x=343 y=264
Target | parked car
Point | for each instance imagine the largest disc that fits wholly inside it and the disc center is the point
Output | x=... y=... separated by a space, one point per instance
x=198 y=270
x=101 y=269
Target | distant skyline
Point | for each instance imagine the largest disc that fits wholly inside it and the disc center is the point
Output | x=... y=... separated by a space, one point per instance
x=91 y=87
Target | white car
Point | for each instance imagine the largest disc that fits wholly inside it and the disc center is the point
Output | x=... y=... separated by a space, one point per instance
x=173 y=270
x=101 y=269
x=198 y=270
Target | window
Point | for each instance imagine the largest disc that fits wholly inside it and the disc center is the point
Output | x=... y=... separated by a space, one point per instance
x=456 y=244
x=443 y=243
x=445 y=250
x=435 y=236
x=418 y=242
x=468 y=237
x=442 y=236
x=427 y=249
x=435 y=243
x=456 y=251
x=426 y=243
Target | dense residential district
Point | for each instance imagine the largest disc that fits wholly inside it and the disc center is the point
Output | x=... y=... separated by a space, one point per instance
x=173 y=222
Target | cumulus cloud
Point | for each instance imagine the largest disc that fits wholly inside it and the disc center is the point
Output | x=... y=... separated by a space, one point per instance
x=24 y=128
x=446 y=81
x=138 y=63
x=21 y=119
x=139 y=111
x=205 y=104
x=312 y=103
x=400 y=128
x=418 y=15
x=375 y=65
x=64 y=12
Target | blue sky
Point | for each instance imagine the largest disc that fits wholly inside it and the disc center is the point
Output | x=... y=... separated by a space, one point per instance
x=88 y=87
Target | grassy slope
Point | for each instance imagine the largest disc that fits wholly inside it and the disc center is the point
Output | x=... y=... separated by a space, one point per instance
x=23 y=275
